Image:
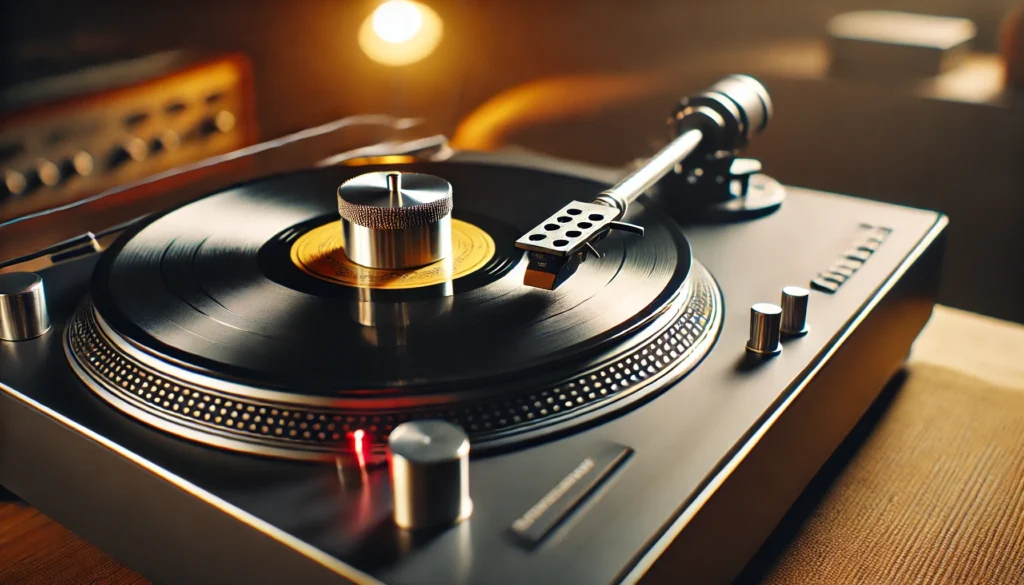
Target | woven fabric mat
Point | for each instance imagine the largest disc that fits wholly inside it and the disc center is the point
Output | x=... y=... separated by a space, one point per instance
x=934 y=495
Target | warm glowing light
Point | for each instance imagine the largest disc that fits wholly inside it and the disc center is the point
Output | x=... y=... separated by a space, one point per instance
x=400 y=32
x=397 y=21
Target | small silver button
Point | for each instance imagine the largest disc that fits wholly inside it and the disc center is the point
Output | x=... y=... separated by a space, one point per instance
x=765 y=329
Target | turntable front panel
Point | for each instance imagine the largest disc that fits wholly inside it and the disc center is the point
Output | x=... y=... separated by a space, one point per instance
x=711 y=463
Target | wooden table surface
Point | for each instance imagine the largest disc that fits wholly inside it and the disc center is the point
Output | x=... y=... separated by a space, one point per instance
x=929 y=489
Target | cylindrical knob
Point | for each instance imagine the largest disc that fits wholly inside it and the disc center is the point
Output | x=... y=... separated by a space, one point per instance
x=429 y=464
x=794 y=310
x=81 y=164
x=132 y=149
x=49 y=173
x=23 y=313
x=765 y=329
x=166 y=141
x=396 y=220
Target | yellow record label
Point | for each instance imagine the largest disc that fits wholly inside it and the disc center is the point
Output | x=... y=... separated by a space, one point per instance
x=319 y=253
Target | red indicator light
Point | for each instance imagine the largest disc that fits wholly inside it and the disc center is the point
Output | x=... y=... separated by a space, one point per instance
x=359 y=445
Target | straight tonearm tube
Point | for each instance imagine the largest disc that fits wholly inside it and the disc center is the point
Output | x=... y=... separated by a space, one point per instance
x=718 y=121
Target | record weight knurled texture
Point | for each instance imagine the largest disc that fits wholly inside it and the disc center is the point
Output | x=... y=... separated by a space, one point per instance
x=198 y=310
x=427 y=199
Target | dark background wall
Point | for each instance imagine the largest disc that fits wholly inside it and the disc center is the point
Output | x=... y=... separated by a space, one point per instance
x=872 y=140
x=309 y=67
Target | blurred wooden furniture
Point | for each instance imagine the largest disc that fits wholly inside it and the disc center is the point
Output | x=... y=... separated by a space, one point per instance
x=928 y=489
x=1011 y=47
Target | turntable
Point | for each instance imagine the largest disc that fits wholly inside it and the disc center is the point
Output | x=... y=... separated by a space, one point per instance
x=462 y=367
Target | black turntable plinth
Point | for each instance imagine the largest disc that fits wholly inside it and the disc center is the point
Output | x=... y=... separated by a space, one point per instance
x=215 y=398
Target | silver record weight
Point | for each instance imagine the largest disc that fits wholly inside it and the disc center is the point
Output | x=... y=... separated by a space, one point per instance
x=396 y=220
x=429 y=466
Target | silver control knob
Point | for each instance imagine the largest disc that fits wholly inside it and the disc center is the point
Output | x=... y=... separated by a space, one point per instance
x=23 y=313
x=794 y=310
x=396 y=220
x=429 y=465
x=765 y=329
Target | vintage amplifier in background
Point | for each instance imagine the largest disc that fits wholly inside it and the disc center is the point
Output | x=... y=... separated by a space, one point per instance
x=68 y=137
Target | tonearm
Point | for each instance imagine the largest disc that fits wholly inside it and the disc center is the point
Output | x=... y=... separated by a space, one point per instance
x=709 y=130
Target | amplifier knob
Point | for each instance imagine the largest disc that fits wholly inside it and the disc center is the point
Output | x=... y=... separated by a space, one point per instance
x=765 y=329
x=166 y=141
x=48 y=172
x=221 y=123
x=429 y=465
x=15 y=183
x=82 y=163
x=132 y=149
x=396 y=220
x=23 y=313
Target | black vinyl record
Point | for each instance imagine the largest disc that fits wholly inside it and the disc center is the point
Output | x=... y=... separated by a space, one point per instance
x=213 y=287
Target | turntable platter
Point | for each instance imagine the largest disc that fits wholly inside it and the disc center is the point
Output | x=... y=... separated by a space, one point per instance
x=245 y=297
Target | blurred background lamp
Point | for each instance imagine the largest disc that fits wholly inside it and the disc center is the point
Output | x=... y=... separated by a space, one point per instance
x=400 y=32
x=397 y=21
